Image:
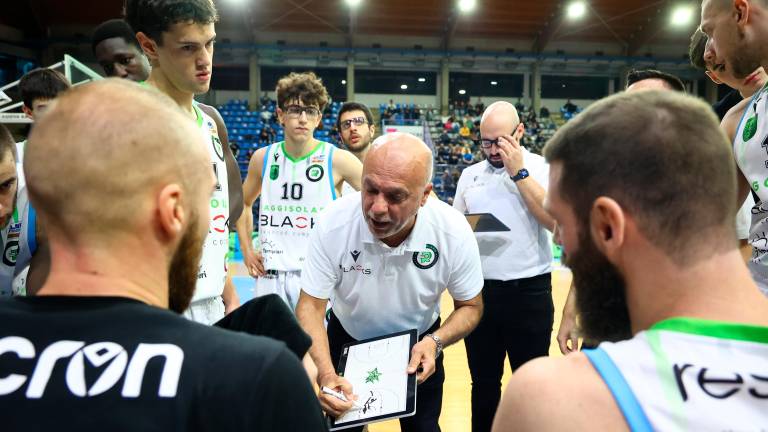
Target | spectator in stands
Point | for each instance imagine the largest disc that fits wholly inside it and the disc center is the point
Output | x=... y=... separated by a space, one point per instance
x=448 y=125
x=447 y=181
x=464 y=131
x=570 y=107
x=445 y=138
x=479 y=106
x=467 y=157
x=266 y=115
x=651 y=78
x=455 y=154
x=265 y=100
x=444 y=152
x=544 y=112
x=264 y=136
x=519 y=105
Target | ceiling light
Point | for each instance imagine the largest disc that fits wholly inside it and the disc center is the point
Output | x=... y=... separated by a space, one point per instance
x=682 y=16
x=462 y=92
x=494 y=83
x=403 y=86
x=577 y=9
x=467 y=5
x=422 y=79
x=353 y=3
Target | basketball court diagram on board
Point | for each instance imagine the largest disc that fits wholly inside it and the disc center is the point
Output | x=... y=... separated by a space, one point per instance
x=377 y=372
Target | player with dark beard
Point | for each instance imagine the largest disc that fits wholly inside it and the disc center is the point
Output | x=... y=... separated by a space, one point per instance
x=120 y=360
x=626 y=176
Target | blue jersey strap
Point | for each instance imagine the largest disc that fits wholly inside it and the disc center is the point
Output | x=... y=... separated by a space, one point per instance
x=330 y=171
x=625 y=398
x=266 y=159
x=32 y=230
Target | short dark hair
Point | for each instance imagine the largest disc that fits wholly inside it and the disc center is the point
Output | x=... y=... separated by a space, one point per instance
x=114 y=28
x=153 y=17
x=653 y=152
x=697 y=48
x=41 y=83
x=305 y=87
x=7 y=143
x=354 y=106
x=639 y=75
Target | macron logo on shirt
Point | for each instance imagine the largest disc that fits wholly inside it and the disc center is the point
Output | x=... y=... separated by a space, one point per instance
x=355 y=254
x=75 y=360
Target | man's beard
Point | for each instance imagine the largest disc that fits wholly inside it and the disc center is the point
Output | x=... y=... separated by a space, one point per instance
x=496 y=164
x=744 y=60
x=185 y=264
x=361 y=145
x=600 y=294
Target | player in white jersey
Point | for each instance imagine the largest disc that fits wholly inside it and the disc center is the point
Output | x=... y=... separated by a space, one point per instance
x=736 y=31
x=17 y=239
x=295 y=178
x=356 y=131
x=644 y=269
x=178 y=41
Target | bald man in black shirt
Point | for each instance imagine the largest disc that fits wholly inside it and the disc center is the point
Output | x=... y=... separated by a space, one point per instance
x=99 y=349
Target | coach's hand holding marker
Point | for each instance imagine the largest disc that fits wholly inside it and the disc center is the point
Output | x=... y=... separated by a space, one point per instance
x=340 y=395
x=423 y=353
x=331 y=402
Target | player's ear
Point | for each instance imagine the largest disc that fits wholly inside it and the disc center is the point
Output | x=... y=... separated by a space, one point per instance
x=170 y=214
x=427 y=192
x=148 y=45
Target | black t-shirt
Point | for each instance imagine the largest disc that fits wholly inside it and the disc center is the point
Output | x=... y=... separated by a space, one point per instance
x=726 y=103
x=114 y=364
x=269 y=316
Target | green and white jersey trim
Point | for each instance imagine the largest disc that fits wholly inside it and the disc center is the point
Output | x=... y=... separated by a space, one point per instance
x=213 y=264
x=689 y=374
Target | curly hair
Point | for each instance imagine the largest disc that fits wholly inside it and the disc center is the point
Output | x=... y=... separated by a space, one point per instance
x=305 y=87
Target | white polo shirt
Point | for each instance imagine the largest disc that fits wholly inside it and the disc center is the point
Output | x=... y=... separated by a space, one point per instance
x=380 y=290
x=524 y=251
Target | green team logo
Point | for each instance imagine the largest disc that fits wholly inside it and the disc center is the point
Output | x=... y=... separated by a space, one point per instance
x=373 y=376
x=315 y=172
x=750 y=128
x=274 y=172
x=426 y=259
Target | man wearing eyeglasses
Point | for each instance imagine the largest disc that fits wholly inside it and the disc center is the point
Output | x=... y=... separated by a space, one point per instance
x=510 y=184
x=356 y=131
x=296 y=179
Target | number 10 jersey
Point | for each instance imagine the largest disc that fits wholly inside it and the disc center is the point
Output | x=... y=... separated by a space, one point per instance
x=293 y=193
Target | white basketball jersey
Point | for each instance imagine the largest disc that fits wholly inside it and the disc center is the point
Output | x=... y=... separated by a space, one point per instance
x=293 y=193
x=18 y=245
x=750 y=146
x=758 y=239
x=689 y=375
x=213 y=264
